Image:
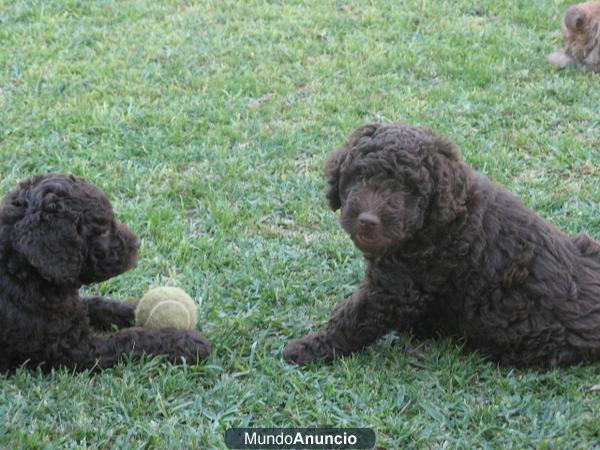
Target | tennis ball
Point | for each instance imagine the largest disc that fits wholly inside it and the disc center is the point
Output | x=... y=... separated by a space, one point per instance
x=166 y=307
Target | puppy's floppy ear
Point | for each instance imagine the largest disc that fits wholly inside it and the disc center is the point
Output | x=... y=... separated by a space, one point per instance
x=575 y=18
x=333 y=167
x=47 y=236
x=449 y=178
x=332 y=175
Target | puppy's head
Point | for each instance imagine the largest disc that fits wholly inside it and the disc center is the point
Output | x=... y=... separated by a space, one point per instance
x=65 y=229
x=391 y=181
x=580 y=28
x=580 y=19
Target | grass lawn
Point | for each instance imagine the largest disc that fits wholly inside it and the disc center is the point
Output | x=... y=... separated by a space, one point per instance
x=207 y=123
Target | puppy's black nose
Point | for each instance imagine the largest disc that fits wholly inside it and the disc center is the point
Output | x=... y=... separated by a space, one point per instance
x=368 y=220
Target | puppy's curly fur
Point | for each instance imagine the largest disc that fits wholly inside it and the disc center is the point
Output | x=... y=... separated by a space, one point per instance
x=581 y=34
x=58 y=233
x=448 y=251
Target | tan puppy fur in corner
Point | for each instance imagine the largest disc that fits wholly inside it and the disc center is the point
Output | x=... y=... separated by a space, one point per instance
x=581 y=33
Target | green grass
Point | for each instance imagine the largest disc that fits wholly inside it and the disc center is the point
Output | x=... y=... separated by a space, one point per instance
x=207 y=124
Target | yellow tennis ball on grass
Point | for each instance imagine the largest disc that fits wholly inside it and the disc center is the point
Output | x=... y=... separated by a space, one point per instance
x=166 y=307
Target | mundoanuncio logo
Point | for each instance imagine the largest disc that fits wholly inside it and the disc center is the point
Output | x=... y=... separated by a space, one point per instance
x=300 y=438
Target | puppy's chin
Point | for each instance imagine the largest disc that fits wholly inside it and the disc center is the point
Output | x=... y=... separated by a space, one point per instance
x=98 y=274
x=132 y=263
x=370 y=246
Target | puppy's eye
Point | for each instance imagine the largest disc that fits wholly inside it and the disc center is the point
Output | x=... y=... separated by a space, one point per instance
x=102 y=227
x=52 y=207
x=99 y=254
x=100 y=222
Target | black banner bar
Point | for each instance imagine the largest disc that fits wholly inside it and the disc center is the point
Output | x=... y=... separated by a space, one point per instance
x=299 y=438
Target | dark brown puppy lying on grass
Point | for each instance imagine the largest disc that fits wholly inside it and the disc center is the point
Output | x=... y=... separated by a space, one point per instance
x=58 y=233
x=448 y=251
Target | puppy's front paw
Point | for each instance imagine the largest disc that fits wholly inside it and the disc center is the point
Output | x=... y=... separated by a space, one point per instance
x=190 y=345
x=199 y=345
x=295 y=353
x=307 y=349
x=559 y=59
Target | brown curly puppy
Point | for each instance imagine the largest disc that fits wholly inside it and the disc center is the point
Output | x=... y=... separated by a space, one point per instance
x=581 y=33
x=58 y=233
x=448 y=251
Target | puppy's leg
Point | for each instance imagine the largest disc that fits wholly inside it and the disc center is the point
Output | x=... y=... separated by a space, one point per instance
x=586 y=245
x=104 y=312
x=106 y=351
x=355 y=323
x=559 y=59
